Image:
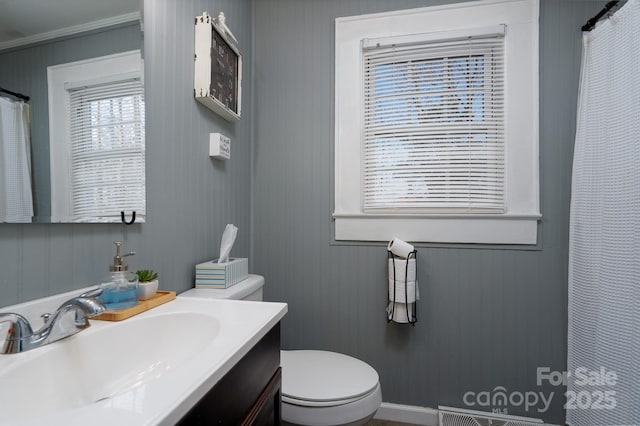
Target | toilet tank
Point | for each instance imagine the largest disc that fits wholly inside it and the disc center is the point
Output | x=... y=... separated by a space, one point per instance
x=248 y=289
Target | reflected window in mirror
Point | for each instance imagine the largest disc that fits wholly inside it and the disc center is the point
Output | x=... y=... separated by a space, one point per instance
x=97 y=143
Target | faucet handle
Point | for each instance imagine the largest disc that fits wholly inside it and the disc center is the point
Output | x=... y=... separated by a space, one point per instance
x=93 y=293
x=19 y=329
x=45 y=317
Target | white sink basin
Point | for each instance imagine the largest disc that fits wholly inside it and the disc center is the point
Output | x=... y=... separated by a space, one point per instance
x=149 y=369
x=90 y=367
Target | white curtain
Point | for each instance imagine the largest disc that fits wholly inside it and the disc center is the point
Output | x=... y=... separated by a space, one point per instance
x=604 y=242
x=16 y=201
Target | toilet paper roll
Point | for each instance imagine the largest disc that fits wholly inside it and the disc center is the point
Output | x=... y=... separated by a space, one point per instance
x=401 y=313
x=404 y=292
x=399 y=248
x=402 y=272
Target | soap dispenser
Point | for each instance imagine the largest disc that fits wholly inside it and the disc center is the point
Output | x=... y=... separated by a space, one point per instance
x=120 y=287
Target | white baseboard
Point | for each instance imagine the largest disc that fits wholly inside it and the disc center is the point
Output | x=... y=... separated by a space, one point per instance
x=407 y=414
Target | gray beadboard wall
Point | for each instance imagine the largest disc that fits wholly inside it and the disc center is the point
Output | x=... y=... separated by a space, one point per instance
x=24 y=70
x=488 y=317
x=190 y=197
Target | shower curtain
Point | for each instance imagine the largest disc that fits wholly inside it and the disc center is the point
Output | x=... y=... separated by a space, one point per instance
x=16 y=200
x=604 y=243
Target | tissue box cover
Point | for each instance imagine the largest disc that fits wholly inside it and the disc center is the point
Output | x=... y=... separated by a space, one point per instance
x=212 y=274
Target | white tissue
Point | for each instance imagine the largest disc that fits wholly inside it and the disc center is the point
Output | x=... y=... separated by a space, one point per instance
x=228 y=238
x=408 y=293
x=399 y=248
x=400 y=313
x=402 y=273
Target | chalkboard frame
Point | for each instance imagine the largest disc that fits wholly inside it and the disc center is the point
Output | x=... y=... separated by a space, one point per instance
x=218 y=69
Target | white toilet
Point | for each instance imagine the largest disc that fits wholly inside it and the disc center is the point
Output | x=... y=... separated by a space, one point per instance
x=319 y=388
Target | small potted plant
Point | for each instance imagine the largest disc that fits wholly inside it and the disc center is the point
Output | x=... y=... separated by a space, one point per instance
x=147 y=283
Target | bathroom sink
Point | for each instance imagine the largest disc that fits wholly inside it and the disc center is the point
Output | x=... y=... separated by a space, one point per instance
x=94 y=366
x=149 y=369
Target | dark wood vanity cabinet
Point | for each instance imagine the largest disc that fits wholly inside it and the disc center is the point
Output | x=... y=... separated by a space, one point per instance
x=249 y=394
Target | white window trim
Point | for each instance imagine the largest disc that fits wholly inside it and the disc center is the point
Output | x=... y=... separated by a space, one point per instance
x=61 y=77
x=519 y=224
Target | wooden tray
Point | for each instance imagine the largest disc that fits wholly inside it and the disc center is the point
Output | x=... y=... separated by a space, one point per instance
x=143 y=305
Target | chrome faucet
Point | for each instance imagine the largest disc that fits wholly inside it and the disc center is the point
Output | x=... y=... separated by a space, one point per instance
x=70 y=318
x=19 y=329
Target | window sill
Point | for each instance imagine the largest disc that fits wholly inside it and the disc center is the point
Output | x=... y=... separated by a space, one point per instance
x=470 y=229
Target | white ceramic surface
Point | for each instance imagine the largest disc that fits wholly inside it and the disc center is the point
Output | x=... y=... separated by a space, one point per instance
x=248 y=289
x=335 y=378
x=149 y=369
x=147 y=289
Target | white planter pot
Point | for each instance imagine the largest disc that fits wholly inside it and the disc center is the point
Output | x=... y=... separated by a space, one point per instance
x=148 y=289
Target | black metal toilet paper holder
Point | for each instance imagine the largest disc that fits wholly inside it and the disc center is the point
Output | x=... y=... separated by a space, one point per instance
x=412 y=317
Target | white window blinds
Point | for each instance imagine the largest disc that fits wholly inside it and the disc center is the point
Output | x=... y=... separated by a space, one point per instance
x=433 y=135
x=107 y=149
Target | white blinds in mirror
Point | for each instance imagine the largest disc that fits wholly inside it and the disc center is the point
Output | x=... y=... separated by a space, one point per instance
x=107 y=150
x=433 y=136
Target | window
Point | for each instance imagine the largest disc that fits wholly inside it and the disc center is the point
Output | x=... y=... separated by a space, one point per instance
x=107 y=149
x=433 y=124
x=436 y=124
x=99 y=156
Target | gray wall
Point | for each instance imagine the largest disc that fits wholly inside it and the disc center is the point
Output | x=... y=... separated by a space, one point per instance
x=24 y=70
x=488 y=317
x=190 y=197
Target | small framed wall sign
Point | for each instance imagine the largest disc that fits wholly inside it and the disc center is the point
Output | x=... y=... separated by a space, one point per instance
x=218 y=67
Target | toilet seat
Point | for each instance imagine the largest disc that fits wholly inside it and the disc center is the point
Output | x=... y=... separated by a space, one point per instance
x=305 y=403
x=324 y=379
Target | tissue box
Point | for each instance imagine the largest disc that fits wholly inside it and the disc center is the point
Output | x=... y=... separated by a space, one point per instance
x=212 y=274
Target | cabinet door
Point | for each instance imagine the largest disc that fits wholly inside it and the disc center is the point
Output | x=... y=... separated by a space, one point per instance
x=266 y=410
x=235 y=396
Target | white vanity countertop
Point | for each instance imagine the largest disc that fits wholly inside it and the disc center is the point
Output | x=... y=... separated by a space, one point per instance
x=160 y=393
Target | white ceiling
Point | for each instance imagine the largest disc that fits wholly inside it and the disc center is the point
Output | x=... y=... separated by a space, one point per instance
x=26 y=21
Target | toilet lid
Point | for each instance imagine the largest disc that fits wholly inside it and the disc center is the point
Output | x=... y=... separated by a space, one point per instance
x=322 y=376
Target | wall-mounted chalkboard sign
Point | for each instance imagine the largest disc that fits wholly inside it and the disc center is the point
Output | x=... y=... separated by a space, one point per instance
x=218 y=67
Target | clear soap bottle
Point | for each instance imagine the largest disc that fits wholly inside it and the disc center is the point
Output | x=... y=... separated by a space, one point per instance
x=120 y=286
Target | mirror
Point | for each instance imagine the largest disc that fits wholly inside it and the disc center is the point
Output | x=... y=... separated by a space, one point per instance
x=31 y=45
